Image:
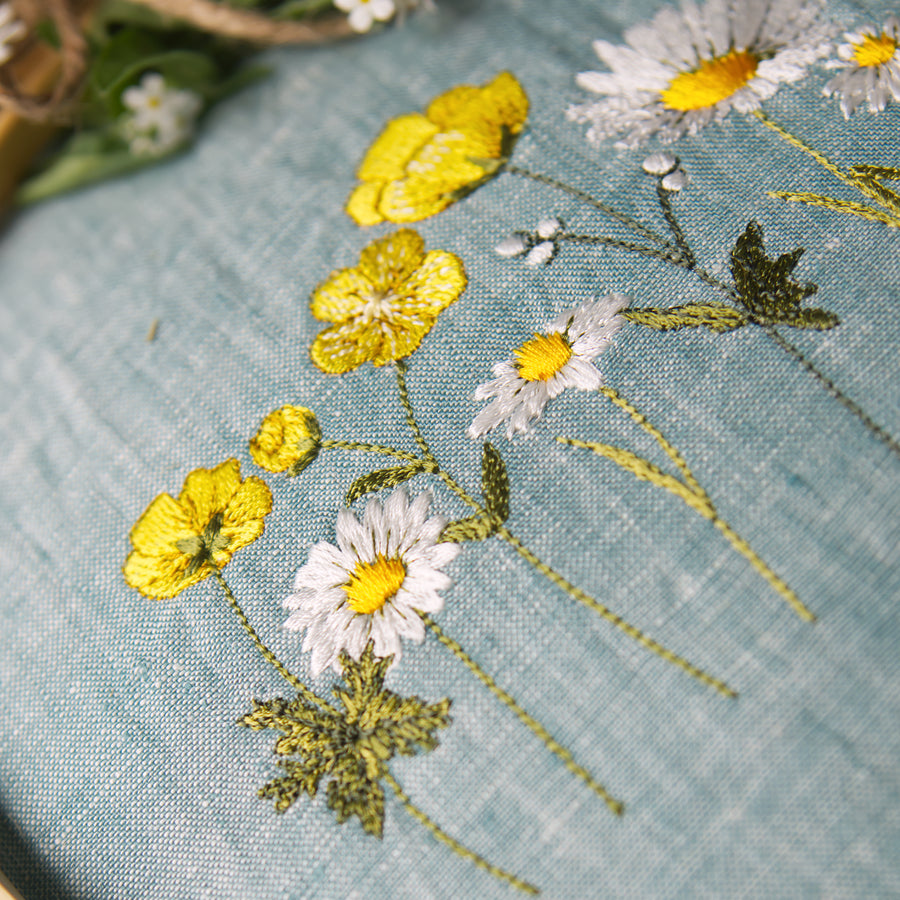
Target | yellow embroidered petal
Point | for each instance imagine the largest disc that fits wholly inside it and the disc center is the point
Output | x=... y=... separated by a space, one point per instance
x=243 y=518
x=164 y=517
x=400 y=141
x=343 y=348
x=388 y=262
x=362 y=204
x=160 y=579
x=419 y=165
x=437 y=283
x=207 y=491
x=179 y=542
x=341 y=295
x=288 y=438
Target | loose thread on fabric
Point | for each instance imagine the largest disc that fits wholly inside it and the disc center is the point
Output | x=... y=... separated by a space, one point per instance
x=615 y=806
x=439 y=834
x=624 y=218
x=553 y=576
x=689 y=491
x=265 y=652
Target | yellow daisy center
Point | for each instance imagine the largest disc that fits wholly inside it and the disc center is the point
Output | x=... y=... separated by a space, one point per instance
x=371 y=585
x=713 y=81
x=542 y=357
x=874 y=51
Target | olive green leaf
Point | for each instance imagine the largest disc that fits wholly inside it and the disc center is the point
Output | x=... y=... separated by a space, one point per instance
x=381 y=479
x=350 y=746
x=766 y=287
x=495 y=487
x=714 y=316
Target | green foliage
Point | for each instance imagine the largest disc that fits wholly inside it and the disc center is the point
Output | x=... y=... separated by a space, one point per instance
x=495 y=488
x=350 y=746
x=767 y=289
x=714 y=316
x=381 y=479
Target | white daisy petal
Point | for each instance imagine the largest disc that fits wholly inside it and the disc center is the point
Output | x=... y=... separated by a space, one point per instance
x=546 y=365
x=687 y=68
x=386 y=571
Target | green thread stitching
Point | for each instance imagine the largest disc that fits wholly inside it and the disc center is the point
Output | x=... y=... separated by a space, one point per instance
x=865 y=179
x=615 y=806
x=301 y=689
x=715 y=316
x=689 y=491
x=440 y=835
x=551 y=574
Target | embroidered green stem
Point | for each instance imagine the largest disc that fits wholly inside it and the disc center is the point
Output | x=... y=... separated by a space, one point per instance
x=665 y=203
x=613 y=213
x=865 y=179
x=833 y=390
x=527 y=720
x=669 y=256
x=265 y=652
x=688 y=490
x=552 y=575
x=439 y=834
x=366 y=447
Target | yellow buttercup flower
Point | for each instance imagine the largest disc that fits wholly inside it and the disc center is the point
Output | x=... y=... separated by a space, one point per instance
x=420 y=164
x=288 y=438
x=384 y=306
x=180 y=542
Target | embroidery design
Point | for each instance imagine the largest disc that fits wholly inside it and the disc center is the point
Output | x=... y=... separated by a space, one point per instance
x=383 y=582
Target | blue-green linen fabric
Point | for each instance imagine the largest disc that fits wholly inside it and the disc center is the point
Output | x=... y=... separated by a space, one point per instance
x=122 y=771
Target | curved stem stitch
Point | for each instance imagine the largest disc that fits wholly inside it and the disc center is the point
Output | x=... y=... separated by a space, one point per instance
x=615 y=806
x=688 y=490
x=265 y=652
x=551 y=574
x=439 y=834
x=365 y=447
x=624 y=218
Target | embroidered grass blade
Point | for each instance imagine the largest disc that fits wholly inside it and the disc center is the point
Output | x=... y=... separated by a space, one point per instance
x=686 y=489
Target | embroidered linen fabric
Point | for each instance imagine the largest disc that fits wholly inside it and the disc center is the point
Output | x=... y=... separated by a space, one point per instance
x=122 y=772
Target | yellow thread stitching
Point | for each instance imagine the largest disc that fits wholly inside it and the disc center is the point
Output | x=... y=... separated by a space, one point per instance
x=714 y=80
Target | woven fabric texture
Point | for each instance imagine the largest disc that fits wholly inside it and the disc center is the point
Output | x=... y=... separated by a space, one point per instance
x=122 y=771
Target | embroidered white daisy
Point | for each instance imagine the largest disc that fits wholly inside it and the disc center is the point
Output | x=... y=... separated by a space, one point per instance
x=11 y=30
x=161 y=118
x=362 y=14
x=544 y=366
x=870 y=64
x=385 y=570
x=689 y=67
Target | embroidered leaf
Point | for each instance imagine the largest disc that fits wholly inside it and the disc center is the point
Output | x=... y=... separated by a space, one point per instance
x=648 y=471
x=494 y=484
x=766 y=287
x=714 y=316
x=381 y=479
x=473 y=528
x=349 y=746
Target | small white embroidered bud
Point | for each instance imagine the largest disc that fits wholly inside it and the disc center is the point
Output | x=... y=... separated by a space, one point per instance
x=511 y=246
x=541 y=254
x=548 y=228
x=674 y=181
x=659 y=164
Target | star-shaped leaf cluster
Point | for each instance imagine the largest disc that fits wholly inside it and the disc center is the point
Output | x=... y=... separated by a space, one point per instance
x=350 y=746
x=767 y=289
